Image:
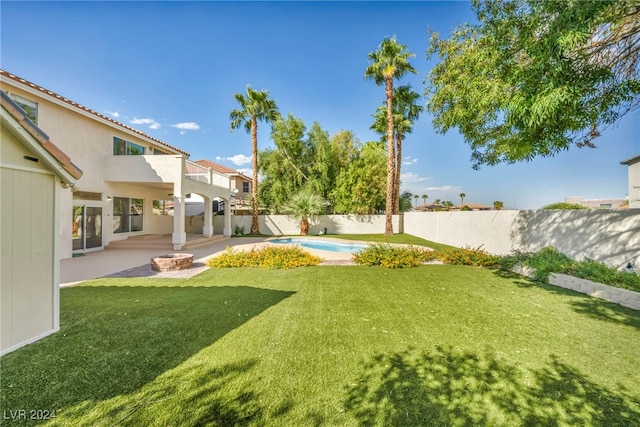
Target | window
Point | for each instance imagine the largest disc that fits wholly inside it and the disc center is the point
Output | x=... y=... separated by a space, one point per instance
x=127 y=214
x=606 y=205
x=245 y=187
x=126 y=148
x=29 y=107
x=163 y=207
x=157 y=151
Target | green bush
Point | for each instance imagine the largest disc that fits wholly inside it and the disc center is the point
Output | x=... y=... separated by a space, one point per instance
x=389 y=256
x=599 y=272
x=267 y=257
x=476 y=257
x=548 y=260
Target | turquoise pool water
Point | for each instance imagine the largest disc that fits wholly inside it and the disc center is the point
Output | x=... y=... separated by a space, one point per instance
x=324 y=245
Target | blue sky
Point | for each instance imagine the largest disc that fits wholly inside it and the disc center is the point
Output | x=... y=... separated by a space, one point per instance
x=170 y=69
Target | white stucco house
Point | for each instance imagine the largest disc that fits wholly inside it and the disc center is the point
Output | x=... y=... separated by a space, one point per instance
x=34 y=175
x=633 y=165
x=129 y=180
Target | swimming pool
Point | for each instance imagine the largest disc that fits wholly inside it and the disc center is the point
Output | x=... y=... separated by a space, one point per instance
x=324 y=245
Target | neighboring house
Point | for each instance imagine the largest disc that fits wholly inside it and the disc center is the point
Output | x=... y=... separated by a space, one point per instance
x=473 y=207
x=240 y=186
x=597 y=203
x=133 y=183
x=634 y=181
x=34 y=174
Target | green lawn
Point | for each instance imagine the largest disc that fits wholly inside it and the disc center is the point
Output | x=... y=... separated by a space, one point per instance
x=331 y=345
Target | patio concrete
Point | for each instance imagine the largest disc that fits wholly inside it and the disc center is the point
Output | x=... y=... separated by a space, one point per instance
x=127 y=262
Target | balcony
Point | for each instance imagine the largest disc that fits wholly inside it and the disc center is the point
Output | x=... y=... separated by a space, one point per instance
x=165 y=169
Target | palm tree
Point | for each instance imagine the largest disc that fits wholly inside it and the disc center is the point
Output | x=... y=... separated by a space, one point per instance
x=424 y=198
x=389 y=62
x=498 y=205
x=415 y=196
x=462 y=196
x=405 y=112
x=405 y=105
x=256 y=106
x=304 y=205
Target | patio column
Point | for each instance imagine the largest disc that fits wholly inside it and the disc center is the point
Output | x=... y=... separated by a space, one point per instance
x=207 y=230
x=227 y=218
x=179 y=236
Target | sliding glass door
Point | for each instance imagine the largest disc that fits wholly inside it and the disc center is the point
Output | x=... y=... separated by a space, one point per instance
x=86 y=228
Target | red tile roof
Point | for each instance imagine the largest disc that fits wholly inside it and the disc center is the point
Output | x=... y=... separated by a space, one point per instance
x=83 y=108
x=61 y=158
x=220 y=168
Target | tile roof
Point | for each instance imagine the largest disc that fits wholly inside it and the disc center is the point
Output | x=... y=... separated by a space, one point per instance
x=20 y=116
x=220 y=168
x=83 y=108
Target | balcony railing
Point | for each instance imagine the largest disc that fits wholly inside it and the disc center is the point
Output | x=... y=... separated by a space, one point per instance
x=197 y=172
x=200 y=173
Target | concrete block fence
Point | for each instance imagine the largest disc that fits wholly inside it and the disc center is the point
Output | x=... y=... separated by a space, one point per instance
x=609 y=236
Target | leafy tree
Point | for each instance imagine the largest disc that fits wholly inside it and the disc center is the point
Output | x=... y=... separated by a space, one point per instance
x=284 y=167
x=360 y=187
x=405 y=112
x=405 y=201
x=303 y=206
x=534 y=77
x=389 y=62
x=255 y=106
x=498 y=205
x=563 y=205
x=303 y=160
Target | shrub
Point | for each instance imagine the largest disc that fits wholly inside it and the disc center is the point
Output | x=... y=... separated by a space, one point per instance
x=548 y=260
x=238 y=231
x=389 y=256
x=599 y=272
x=476 y=257
x=268 y=257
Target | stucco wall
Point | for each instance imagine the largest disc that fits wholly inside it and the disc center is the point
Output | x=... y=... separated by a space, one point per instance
x=608 y=236
x=634 y=186
x=280 y=224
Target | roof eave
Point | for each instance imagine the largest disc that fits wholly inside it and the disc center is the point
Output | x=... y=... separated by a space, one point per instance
x=38 y=141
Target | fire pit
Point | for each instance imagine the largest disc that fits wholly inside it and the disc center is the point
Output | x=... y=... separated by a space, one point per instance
x=171 y=262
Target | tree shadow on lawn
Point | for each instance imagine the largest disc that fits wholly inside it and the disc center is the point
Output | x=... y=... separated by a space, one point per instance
x=115 y=339
x=446 y=386
x=593 y=307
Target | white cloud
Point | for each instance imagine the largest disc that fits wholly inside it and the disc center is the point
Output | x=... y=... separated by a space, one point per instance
x=186 y=126
x=145 y=121
x=238 y=159
x=412 y=178
x=245 y=171
x=409 y=161
x=137 y=121
x=445 y=188
x=113 y=114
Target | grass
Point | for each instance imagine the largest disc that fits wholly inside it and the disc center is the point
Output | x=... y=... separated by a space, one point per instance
x=333 y=345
